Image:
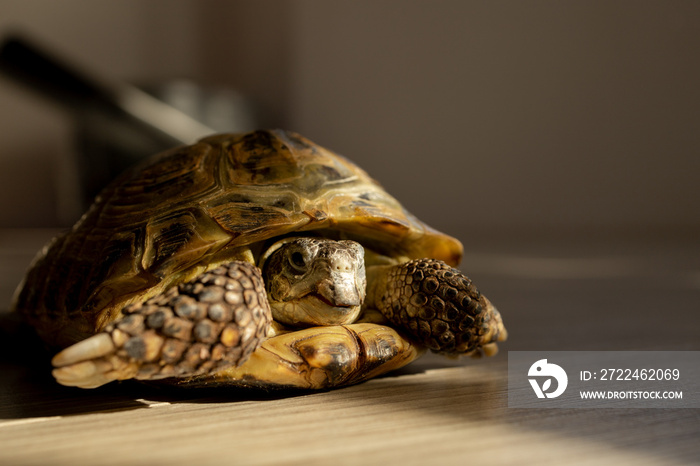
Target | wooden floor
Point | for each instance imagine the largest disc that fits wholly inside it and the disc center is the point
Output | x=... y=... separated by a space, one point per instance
x=554 y=295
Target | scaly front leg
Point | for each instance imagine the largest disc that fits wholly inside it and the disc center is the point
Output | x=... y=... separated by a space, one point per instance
x=215 y=321
x=437 y=305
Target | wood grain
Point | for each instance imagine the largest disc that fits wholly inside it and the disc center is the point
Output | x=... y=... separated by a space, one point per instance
x=436 y=411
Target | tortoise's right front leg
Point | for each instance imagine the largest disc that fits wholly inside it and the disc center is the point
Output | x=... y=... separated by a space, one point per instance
x=437 y=305
x=215 y=321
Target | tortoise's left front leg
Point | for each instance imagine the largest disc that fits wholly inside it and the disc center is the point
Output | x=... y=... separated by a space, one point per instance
x=212 y=322
x=437 y=305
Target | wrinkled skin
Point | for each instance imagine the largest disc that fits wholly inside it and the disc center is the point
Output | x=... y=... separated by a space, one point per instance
x=314 y=281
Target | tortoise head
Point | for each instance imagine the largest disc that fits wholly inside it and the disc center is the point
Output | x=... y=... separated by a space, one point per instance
x=315 y=281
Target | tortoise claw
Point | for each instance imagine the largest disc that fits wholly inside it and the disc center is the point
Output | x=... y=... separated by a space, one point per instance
x=94 y=373
x=94 y=347
x=90 y=363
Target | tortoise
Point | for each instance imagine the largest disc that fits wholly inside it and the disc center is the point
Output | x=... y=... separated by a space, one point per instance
x=250 y=260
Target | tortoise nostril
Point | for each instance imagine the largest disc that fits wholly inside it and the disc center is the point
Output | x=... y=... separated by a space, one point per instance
x=342 y=265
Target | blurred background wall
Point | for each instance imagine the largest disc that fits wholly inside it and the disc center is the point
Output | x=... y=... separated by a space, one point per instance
x=495 y=116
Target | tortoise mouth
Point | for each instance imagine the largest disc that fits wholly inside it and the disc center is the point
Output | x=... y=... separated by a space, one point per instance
x=324 y=312
x=314 y=310
x=328 y=302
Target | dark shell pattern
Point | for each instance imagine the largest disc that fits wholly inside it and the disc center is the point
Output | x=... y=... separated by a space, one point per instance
x=185 y=210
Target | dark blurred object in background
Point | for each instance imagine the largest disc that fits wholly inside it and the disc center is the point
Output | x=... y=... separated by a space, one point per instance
x=109 y=145
x=118 y=124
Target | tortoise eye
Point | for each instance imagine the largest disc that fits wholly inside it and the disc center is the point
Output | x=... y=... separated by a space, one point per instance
x=297 y=260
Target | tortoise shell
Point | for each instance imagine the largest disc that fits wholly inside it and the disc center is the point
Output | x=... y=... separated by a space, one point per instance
x=190 y=208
